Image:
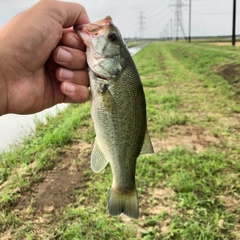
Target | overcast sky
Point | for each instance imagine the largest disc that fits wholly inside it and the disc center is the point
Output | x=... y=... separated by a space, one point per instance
x=209 y=17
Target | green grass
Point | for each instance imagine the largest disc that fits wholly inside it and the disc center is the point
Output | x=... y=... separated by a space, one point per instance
x=188 y=189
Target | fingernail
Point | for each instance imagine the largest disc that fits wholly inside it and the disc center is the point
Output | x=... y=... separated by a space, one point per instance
x=63 y=55
x=66 y=74
x=69 y=88
x=72 y=41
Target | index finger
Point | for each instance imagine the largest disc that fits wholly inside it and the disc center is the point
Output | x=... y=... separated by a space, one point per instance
x=68 y=14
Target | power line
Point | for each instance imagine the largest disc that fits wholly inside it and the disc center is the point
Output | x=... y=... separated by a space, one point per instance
x=160 y=12
x=160 y=20
x=220 y=13
x=166 y=15
x=155 y=8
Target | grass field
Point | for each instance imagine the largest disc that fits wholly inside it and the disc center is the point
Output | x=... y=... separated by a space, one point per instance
x=188 y=189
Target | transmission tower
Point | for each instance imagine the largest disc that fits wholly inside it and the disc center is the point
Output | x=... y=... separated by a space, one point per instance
x=141 y=25
x=178 y=19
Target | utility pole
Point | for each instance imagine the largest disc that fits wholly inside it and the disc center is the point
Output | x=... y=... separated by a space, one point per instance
x=190 y=19
x=234 y=23
x=177 y=22
x=141 y=25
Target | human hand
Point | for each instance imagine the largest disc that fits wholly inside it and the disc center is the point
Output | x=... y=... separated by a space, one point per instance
x=42 y=60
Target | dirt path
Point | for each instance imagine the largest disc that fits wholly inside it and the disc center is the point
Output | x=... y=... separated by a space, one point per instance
x=237 y=44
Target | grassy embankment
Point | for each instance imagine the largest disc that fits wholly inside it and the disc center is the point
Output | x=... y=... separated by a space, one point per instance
x=135 y=44
x=188 y=189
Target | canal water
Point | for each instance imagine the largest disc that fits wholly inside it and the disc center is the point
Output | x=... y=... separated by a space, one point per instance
x=14 y=127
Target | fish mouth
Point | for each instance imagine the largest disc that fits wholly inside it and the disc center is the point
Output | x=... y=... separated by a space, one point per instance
x=93 y=28
x=89 y=30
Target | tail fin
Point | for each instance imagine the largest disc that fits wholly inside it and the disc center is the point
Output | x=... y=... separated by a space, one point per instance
x=126 y=203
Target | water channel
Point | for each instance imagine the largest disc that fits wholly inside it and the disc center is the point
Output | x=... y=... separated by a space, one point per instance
x=14 y=127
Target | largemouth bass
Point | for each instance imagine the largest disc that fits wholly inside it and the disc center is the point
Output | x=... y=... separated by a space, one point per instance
x=118 y=109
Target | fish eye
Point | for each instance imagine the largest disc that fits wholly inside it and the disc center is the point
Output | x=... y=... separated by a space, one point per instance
x=112 y=36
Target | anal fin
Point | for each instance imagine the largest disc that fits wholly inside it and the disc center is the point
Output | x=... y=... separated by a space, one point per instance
x=98 y=159
x=147 y=144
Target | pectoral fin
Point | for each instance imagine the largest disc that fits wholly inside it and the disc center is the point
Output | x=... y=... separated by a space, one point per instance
x=147 y=144
x=98 y=159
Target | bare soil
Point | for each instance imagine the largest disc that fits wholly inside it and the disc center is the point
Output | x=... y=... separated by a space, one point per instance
x=231 y=73
x=190 y=137
x=57 y=188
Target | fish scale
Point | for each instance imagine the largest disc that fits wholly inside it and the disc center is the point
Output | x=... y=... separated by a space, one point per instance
x=118 y=109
